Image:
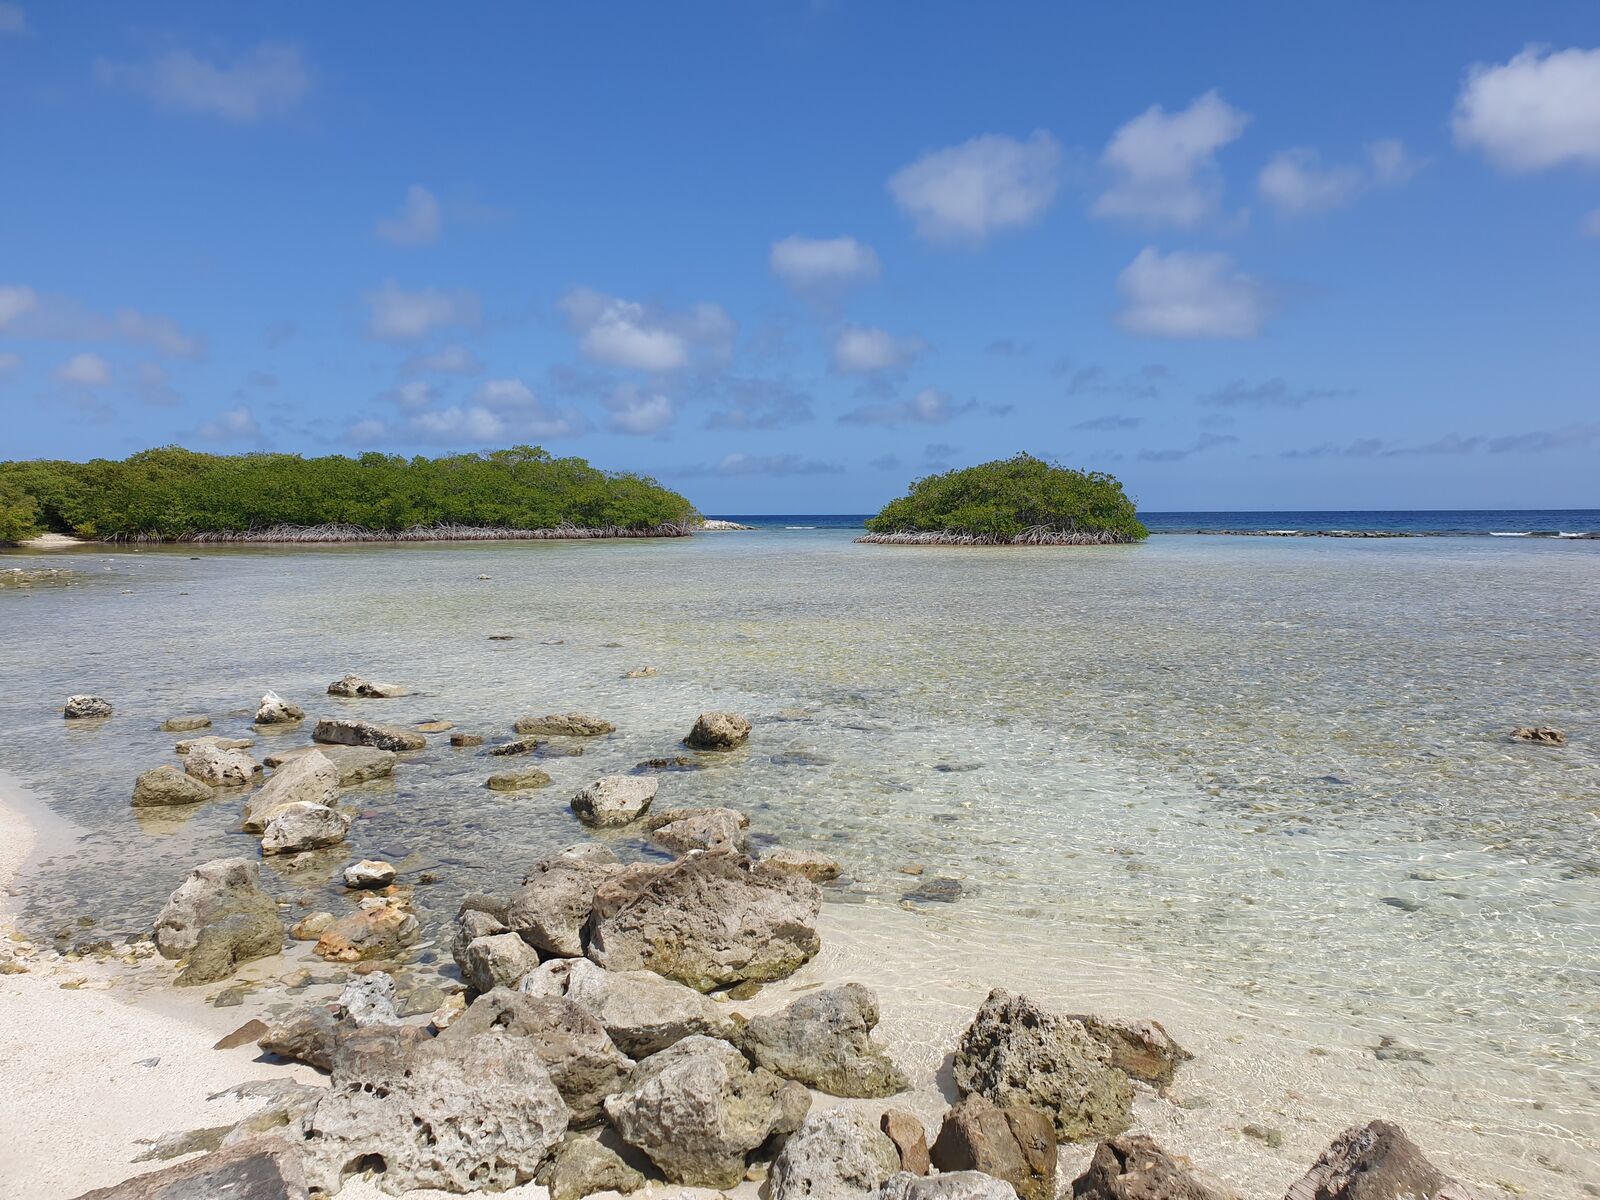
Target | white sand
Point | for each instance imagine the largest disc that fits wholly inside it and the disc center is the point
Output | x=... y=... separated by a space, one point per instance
x=52 y=541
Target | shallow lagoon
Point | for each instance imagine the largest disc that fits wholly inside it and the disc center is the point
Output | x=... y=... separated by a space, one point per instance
x=1261 y=785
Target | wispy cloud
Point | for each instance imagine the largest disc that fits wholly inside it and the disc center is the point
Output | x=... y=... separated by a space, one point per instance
x=754 y=403
x=1206 y=441
x=265 y=81
x=1297 y=183
x=761 y=464
x=418 y=222
x=860 y=349
x=84 y=370
x=927 y=407
x=1269 y=393
x=26 y=313
x=400 y=314
x=1109 y=423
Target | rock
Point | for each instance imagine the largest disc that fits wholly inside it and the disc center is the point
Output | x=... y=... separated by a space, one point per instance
x=81 y=708
x=472 y=924
x=223 y=895
x=840 y=1154
x=1142 y=1048
x=1016 y=1144
x=369 y=1000
x=311 y=926
x=824 y=1040
x=354 y=686
x=256 y=1169
x=706 y=920
x=910 y=1140
x=1133 y=1167
x=516 y=746
x=564 y=725
x=718 y=731
x=697 y=1109
x=460 y=1115
x=211 y=739
x=275 y=710
x=304 y=779
x=808 y=864
x=185 y=724
x=1016 y=1053
x=681 y=830
x=306 y=1035
x=344 y=731
x=369 y=873
x=583 y=1063
x=614 y=800
x=642 y=1012
x=1539 y=735
x=517 y=781
x=354 y=764
x=1376 y=1161
x=957 y=1185
x=166 y=785
x=581 y=1166
x=370 y=933
x=251 y=1031
x=640 y=673
x=304 y=826
x=221 y=768
x=941 y=889
x=552 y=906
x=466 y=739
x=677 y=762
x=499 y=960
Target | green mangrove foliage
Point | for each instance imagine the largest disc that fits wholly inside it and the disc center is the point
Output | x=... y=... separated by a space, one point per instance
x=1021 y=500
x=172 y=493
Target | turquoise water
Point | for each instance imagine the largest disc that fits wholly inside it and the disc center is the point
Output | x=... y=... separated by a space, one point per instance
x=1517 y=522
x=1273 y=774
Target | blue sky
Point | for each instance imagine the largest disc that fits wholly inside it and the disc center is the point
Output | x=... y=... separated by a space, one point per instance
x=787 y=257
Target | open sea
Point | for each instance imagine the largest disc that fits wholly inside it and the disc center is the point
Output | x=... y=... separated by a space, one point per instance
x=1260 y=788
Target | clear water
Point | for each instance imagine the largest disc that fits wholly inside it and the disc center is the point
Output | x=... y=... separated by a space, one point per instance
x=1204 y=765
x=1522 y=522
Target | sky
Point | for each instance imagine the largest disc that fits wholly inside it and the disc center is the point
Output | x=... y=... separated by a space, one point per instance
x=787 y=257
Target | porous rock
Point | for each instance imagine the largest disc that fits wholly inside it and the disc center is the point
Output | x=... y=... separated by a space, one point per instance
x=818 y=868
x=718 y=731
x=1539 y=735
x=82 y=708
x=1376 y=1161
x=212 y=764
x=275 y=710
x=211 y=739
x=185 y=724
x=370 y=933
x=642 y=1012
x=553 y=904
x=498 y=960
x=581 y=1166
x=564 y=725
x=304 y=779
x=224 y=893
x=824 y=1040
x=304 y=826
x=1142 y=1048
x=346 y=731
x=1017 y=1144
x=839 y=1154
x=369 y=873
x=354 y=764
x=614 y=800
x=1132 y=1166
x=353 y=686
x=953 y=1185
x=165 y=785
x=307 y=1035
x=682 y=830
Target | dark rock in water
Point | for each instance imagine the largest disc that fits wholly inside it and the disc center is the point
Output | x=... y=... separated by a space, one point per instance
x=1403 y=903
x=258 y=1169
x=905 y=1130
x=1389 y=1050
x=953 y=1185
x=1016 y=1053
x=1144 y=1049
x=527 y=780
x=614 y=800
x=82 y=708
x=824 y=1040
x=342 y=731
x=941 y=889
x=466 y=739
x=818 y=868
x=839 y=1154
x=1264 y=1133
x=353 y=686
x=1376 y=1161
x=1539 y=735
x=800 y=758
x=1017 y=1144
x=166 y=785
x=956 y=768
x=185 y=724
x=523 y=745
x=718 y=731
x=564 y=725
x=1134 y=1167
x=678 y=762
x=581 y=1167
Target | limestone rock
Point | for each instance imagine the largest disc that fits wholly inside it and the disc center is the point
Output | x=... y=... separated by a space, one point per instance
x=641 y=1011
x=472 y=924
x=552 y=906
x=369 y=1000
x=81 y=708
x=185 y=724
x=614 y=800
x=705 y=920
x=1016 y=1144
x=583 y=1063
x=1133 y=1167
x=345 y=731
x=371 y=933
x=466 y=739
x=718 y=731
x=824 y=1040
x=1376 y=1161
x=1539 y=735
x=369 y=873
x=311 y=926
x=216 y=892
x=1142 y=1048
x=306 y=1035
x=517 y=781
x=223 y=944
x=581 y=1166
x=304 y=826
x=697 y=1109
x=564 y=725
x=305 y=779
x=354 y=686
x=1016 y=1053
x=166 y=785
x=211 y=739
x=257 y=1169
x=910 y=1139
x=840 y=1154
x=956 y=1185
x=275 y=710
x=818 y=868
x=499 y=960
x=354 y=764
x=682 y=830
x=221 y=768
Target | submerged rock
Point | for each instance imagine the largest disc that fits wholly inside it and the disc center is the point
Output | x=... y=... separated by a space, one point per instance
x=614 y=800
x=354 y=764
x=353 y=686
x=275 y=710
x=718 y=731
x=840 y=1154
x=824 y=1040
x=1133 y=1167
x=1142 y=1048
x=211 y=739
x=1016 y=1053
x=1376 y=1161
x=82 y=708
x=1017 y=1144
x=564 y=725
x=224 y=896
x=818 y=868
x=682 y=830
x=305 y=779
x=185 y=724
x=706 y=920
x=642 y=1012
x=221 y=768
x=381 y=932
x=166 y=785
x=553 y=904
x=525 y=780
x=466 y=739
x=581 y=1166
x=304 y=826
x=1539 y=735
x=256 y=1169
x=345 y=731
x=524 y=745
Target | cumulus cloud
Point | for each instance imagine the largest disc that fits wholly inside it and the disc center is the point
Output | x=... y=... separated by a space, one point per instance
x=447 y=360
x=500 y=410
x=1296 y=183
x=1206 y=441
x=984 y=186
x=1163 y=164
x=927 y=407
x=625 y=333
x=84 y=370
x=1109 y=423
x=823 y=265
x=412 y=396
x=265 y=81
x=636 y=412
x=761 y=464
x=860 y=349
x=1270 y=393
x=402 y=315
x=234 y=425
x=1191 y=294
x=1541 y=109
x=418 y=221
x=13 y=19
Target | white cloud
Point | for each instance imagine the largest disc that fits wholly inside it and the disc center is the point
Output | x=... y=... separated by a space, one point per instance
x=501 y=410
x=625 y=333
x=1390 y=163
x=1296 y=183
x=506 y=393
x=15 y=300
x=1541 y=109
x=1164 y=165
x=992 y=183
x=811 y=265
x=367 y=432
x=400 y=315
x=417 y=223
x=1191 y=294
x=455 y=423
x=927 y=407
x=85 y=370
x=9 y=363
x=235 y=425
x=12 y=18
x=635 y=412
x=447 y=360
x=1590 y=225
x=266 y=81
x=26 y=313
x=859 y=349
x=412 y=396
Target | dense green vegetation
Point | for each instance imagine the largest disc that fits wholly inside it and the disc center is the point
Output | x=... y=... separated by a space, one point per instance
x=174 y=493
x=1019 y=499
